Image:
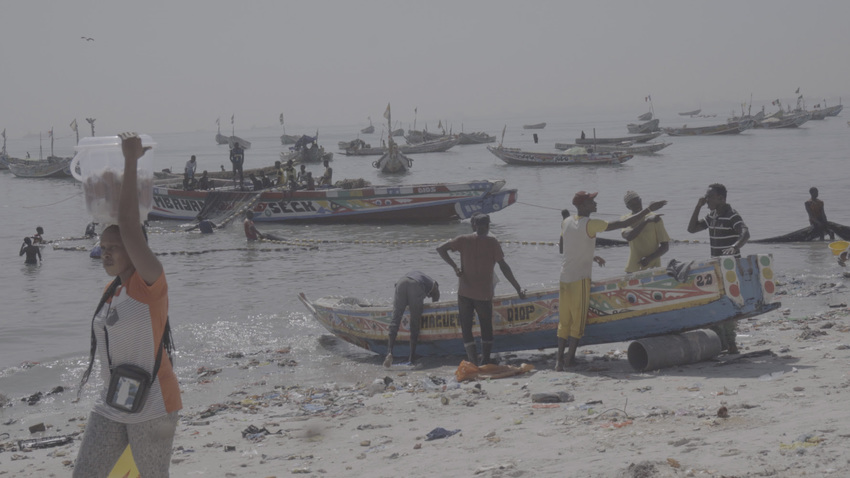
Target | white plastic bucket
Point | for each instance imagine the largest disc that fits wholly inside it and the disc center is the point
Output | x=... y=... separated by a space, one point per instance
x=101 y=169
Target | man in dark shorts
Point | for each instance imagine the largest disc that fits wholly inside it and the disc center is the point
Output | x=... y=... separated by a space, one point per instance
x=479 y=253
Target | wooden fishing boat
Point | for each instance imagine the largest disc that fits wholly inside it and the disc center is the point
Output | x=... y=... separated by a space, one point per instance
x=445 y=143
x=289 y=138
x=691 y=113
x=525 y=158
x=475 y=138
x=222 y=139
x=369 y=129
x=534 y=126
x=785 y=121
x=643 y=128
x=393 y=161
x=52 y=167
x=646 y=116
x=398 y=132
x=807 y=234
x=307 y=155
x=627 y=147
x=630 y=307
x=400 y=204
x=834 y=110
x=642 y=138
x=726 y=128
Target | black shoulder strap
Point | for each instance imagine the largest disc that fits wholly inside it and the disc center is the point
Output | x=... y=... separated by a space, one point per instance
x=110 y=291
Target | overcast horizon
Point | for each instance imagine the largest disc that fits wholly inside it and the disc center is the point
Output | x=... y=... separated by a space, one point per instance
x=177 y=66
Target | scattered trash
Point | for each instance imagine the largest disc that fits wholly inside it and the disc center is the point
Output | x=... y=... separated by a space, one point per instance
x=552 y=397
x=46 y=442
x=440 y=432
x=38 y=427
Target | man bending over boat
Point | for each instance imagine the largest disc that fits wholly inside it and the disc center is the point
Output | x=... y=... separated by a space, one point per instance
x=479 y=253
x=648 y=239
x=727 y=234
x=579 y=244
x=817 y=217
x=410 y=292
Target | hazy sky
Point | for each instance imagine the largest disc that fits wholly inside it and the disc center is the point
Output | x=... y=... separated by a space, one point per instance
x=163 y=66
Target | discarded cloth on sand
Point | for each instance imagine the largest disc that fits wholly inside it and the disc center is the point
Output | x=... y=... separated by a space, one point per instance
x=470 y=371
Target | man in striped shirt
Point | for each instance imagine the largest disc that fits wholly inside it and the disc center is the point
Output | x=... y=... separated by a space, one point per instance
x=727 y=234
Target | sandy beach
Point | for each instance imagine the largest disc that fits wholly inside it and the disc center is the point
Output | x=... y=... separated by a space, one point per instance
x=775 y=410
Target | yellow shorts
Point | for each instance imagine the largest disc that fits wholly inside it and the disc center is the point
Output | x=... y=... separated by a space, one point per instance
x=573 y=301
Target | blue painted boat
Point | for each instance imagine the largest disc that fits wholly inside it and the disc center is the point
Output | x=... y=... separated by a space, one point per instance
x=630 y=307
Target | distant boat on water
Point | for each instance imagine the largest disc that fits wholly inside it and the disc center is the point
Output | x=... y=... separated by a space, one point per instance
x=691 y=113
x=534 y=126
x=650 y=126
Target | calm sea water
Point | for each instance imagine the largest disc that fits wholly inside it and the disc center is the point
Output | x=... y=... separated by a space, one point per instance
x=245 y=299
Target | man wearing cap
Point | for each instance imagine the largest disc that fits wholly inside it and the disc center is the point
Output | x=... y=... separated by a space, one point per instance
x=579 y=239
x=479 y=253
x=727 y=234
x=648 y=239
x=410 y=292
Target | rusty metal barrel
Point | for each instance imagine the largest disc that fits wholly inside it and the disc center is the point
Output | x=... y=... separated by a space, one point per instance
x=676 y=349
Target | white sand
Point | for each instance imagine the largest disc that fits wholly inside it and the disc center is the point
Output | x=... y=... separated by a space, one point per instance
x=786 y=415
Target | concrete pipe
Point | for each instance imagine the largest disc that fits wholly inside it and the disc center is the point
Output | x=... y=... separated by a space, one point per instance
x=677 y=349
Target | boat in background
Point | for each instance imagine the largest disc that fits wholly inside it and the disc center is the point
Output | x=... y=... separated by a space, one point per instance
x=691 y=113
x=445 y=143
x=642 y=138
x=626 y=147
x=646 y=116
x=635 y=306
x=807 y=234
x=475 y=138
x=573 y=157
x=52 y=167
x=415 y=203
x=369 y=129
x=726 y=128
x=650 y=126
x=534 y=126
x=393 y=161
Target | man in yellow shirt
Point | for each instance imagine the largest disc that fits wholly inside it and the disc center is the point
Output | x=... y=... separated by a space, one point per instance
x=579 y=243
x=648 y=239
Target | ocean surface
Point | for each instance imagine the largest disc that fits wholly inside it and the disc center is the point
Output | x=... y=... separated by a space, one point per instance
x=245 y=299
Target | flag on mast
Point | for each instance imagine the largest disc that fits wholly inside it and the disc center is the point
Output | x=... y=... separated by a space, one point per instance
x=50 y=133
x=281 y=118
x=74 y=125
x=387 y=112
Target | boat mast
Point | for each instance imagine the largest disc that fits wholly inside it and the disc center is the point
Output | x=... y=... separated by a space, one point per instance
x=281 y=123
x=40 y=155
x=51 y=140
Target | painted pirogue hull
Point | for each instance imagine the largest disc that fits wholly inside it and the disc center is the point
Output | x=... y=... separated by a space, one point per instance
x=631 y=307
x=806 y=234
x=641 y=138
x=398 y=204
x=526 y=158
